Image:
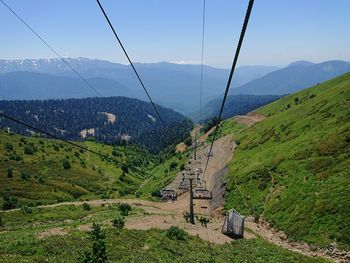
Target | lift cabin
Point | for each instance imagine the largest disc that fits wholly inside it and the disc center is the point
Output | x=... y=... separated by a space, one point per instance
x=168 y=195
x=233 y=226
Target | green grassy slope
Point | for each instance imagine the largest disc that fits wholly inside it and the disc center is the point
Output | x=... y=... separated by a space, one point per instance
x=294 y=167
x=32 y=171
x=21 y=240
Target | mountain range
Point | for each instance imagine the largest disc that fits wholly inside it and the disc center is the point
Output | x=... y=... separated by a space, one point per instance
x=295 y=77
x=171 y=85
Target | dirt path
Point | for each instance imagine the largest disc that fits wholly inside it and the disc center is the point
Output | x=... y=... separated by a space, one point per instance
x=263 y=229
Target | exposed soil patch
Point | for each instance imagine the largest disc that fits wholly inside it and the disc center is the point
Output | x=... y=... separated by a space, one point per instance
x=250 y=119
x=57 y=231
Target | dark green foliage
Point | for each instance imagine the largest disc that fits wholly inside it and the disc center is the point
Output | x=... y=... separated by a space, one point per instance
x=26 y=209
x=176 y=233
x=188 y=141
x=10 y=202
x=124 y=208
x=136 y=121
x=209 y=124
x=172 y=166
x=30 y=149
x=66 y=164
x=186 y=216
x=25 y=175
x=118 y=223
x=98 y=254
x=204 y=221
x=86 y=207
x=2 y=223
x=8 y=147
x=10 y=172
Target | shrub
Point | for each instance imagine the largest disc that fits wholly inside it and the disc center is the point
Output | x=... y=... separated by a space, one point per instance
x=66 y=164
x=204 y=221
x=172 y=166
x=25 y=176
x=99 y=251
x=8 y=146
x=10 y=172
x=175 y=233
x=124 y=209
x=2 y=224
x=30 y=149
x=118 y=223
x=10 y=202
x=56 y=148
x=26 y=209
x=86 y=207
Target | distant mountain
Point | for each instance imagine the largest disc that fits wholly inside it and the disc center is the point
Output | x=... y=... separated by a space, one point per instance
x=31 y=86
x=296 y=76
x=235 y=105
x=104 y=119
x=171 y=85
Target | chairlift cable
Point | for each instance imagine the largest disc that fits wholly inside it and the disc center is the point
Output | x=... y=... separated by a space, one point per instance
x=239 y=45
x=56 y=137
x=131 y=64
x=52 y=49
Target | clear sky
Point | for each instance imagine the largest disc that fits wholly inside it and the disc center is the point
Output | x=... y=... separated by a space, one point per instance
x=280 y=31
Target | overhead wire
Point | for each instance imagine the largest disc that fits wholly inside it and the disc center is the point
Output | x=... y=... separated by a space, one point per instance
x=131 y=63
x=53 y=50
x=239 y=45
x=55 y=137
x=72 y=68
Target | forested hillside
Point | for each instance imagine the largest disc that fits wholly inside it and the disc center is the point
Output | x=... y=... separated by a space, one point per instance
x=110 y=120
x=293 y=167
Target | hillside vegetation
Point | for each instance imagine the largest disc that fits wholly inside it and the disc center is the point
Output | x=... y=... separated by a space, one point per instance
x=293 y=167
x=36 y=171
x=58 y=235
x=108 y=119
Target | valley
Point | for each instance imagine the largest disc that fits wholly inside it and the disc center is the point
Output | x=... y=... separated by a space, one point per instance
x=149 y=217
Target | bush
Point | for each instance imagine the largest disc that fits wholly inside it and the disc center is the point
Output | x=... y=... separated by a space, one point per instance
x=26 y=209
x=25 y=176
x=86 y=207
x=124 y=209
x=30 y=149
x=99 y=251
x=66 y=164
x=10 y=202
x=172 y=166
x=204 y=221
x=10 y=172
x=118 y=223
x=8 y=147
x=175 y=233
x=2 y=223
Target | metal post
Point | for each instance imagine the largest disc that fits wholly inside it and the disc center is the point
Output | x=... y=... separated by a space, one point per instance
x=195 y=149
x=191 y=203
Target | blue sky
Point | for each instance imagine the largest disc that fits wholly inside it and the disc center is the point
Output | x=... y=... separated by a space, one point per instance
x=280 y=31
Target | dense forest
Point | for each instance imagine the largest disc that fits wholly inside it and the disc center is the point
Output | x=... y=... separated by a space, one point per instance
x=111 y=119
